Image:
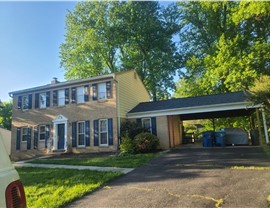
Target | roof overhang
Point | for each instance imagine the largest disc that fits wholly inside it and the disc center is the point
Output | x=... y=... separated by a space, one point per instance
x=200 y=112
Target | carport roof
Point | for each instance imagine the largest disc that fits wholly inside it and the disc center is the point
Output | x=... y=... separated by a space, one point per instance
x=218 y=103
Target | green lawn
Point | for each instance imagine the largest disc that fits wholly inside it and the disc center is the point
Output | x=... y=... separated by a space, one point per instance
x=127 y=161
x=58 y=187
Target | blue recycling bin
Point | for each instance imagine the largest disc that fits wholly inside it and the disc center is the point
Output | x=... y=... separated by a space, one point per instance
x=220 y=138
x=208 y=138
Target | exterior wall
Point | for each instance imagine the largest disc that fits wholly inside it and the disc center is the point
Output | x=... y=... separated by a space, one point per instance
x=162 y=132
x=174 y=130
x=131 y=91
x=90 y=110
x=6 y=135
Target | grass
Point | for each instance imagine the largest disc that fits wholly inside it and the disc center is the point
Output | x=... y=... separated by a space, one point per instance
x=125 y=161
x=57 y=187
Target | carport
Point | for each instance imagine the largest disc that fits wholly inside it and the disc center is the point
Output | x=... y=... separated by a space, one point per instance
x=166 y=116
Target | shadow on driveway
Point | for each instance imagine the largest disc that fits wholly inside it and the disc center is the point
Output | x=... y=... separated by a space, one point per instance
x=190 y=177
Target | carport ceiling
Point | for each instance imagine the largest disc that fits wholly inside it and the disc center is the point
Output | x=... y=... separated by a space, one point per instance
x=201 y=107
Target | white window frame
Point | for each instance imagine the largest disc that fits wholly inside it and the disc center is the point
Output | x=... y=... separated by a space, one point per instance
x=42 y=132
x=143 y=122
x=102 y=132
x=80 y=133
x=80 y=94
x=25 y=102
x=23 y=134
x=61 y=97
x=42 y=105
x=100 y=89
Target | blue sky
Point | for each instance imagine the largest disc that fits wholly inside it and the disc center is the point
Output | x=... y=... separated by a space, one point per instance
x=30 y=36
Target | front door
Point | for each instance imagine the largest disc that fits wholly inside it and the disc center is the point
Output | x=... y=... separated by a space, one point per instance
x=61 y=136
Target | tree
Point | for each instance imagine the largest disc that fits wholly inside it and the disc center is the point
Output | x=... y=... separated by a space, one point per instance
x=105 y=37
x=229 y=47
x=6 y=115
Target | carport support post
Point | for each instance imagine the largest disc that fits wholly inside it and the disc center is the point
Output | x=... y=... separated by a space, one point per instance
x=265 y=127
x=259 y=124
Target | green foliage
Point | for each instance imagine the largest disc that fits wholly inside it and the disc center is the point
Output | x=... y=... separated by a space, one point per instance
x=6 y=115
x=126 y=146
x=130 y=129
x=110 y=36
x=230 y=46
x=146 y=142
x=58 y=187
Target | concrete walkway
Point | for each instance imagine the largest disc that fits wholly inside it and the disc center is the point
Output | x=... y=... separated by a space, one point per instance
x=24 y=164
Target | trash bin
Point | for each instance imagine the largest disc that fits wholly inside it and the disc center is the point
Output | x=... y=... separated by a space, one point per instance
x=254 y=134
x=208 y=137
x=220 y=138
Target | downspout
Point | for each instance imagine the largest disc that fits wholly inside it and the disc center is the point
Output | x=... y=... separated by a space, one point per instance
x=265 y=126
x=118 y=110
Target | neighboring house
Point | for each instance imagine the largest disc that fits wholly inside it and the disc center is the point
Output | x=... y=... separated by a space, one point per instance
x=74 y=116
x=6 y=135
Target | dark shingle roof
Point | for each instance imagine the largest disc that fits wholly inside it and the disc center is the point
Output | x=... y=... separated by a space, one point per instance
x=233 y=97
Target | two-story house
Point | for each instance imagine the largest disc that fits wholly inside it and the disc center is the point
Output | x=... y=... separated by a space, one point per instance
x=77 y=116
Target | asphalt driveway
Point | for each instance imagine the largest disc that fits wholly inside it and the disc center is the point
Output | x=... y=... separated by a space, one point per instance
x=191 y=177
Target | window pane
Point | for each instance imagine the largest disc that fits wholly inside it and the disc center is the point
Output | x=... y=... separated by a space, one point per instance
x=81 y=139
x=81 y=128
x=61 y=97
x=25 y=102
x=147 y=124
x=80 y=95
x=102 y=91
x=103 y=138
x=42 y=100
x=103 y=126
x=24 y=134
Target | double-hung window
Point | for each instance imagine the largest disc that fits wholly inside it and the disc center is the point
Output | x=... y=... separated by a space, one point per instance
x=102 y=91
x=24 y=134
x=61 y=97
x=42 y=100
x=80 y=94
x=146 y=123
x=42 y=132
x=25 y=102
x=103 y=132
x=81 y=133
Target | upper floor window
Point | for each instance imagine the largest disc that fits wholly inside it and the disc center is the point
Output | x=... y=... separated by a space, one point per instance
x=80 y=94
x=61 y=97
x=42 y=100
x=25 y=102
x=102 y=91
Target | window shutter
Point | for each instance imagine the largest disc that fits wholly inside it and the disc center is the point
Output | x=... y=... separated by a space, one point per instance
x=96 y=133
x=154 y=125
x=74 y=134
x=55 y=93
x=30 y=101
x=87 y=133
x=73 y=95
x=18 y=141
x=37 y=100
x=94 y=89
x=47 y=135
x=48 y=98
x=36 y=137
x=109 y=89
x=139 y=122
x=19 y=102
x=86 y=93
x=29 y=139
x=67 y=96
x=110 y=131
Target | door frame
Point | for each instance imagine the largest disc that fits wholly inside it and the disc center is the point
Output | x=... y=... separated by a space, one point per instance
x=60 y=119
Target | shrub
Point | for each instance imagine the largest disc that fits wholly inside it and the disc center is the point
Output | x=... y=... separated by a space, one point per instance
x=127 y=145
x=132 y=128
x=146 y=142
